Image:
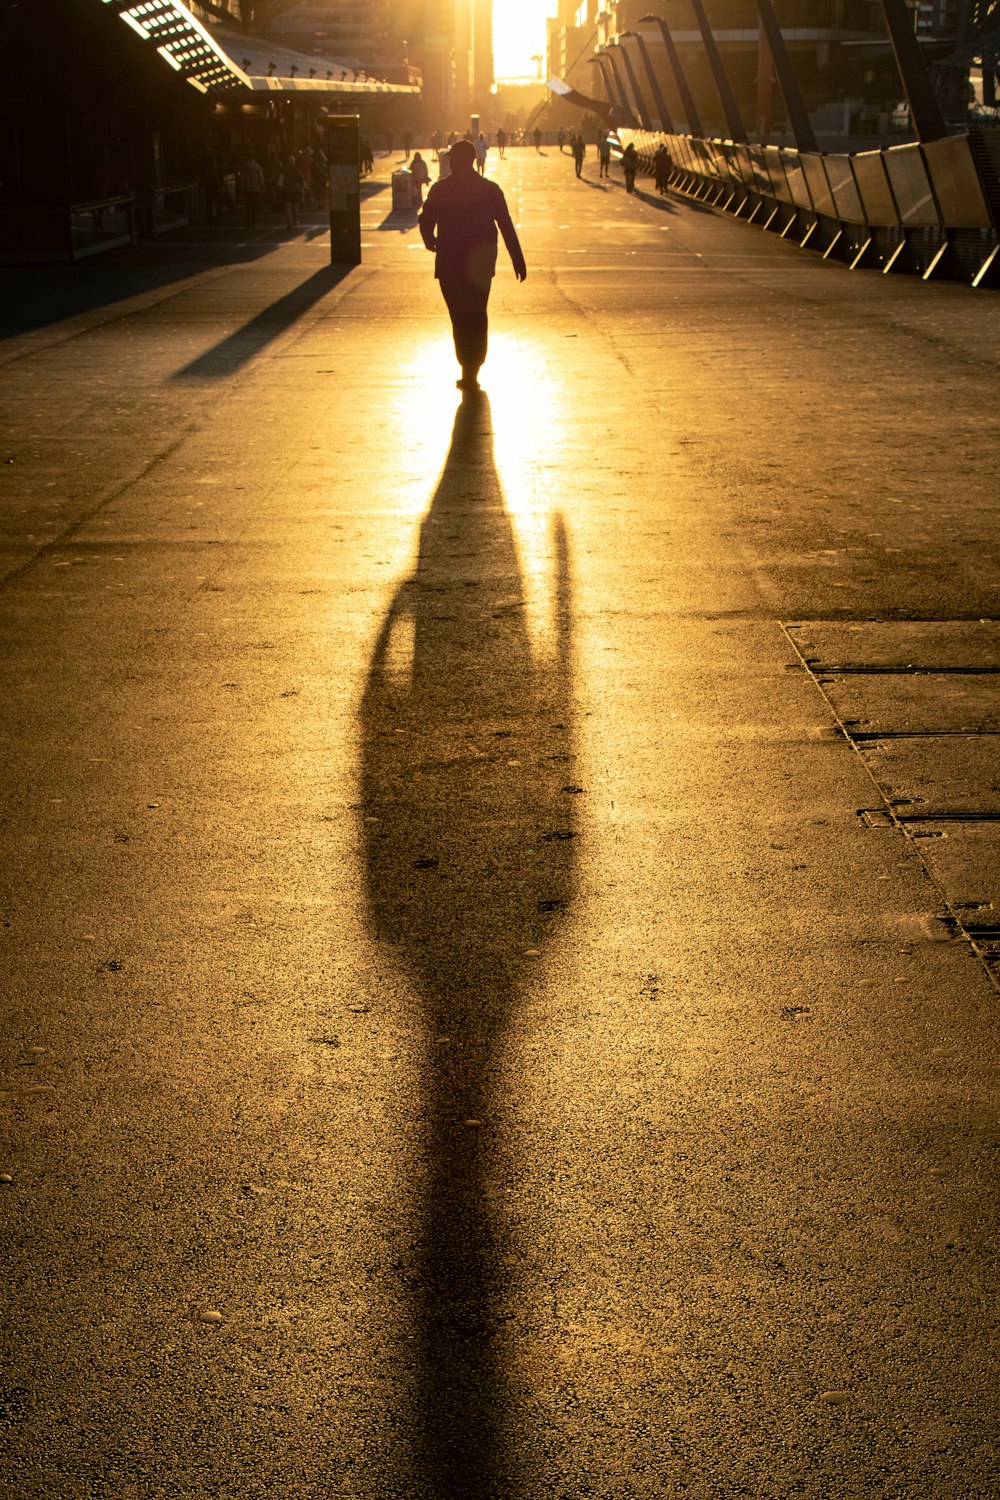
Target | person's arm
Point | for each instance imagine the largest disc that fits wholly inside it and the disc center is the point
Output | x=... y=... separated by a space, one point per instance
x=427 y=222
x=505 y=224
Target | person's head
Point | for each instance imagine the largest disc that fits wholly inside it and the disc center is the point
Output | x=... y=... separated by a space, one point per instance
x=463 y=156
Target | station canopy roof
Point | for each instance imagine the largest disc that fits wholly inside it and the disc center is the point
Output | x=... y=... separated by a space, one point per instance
x=271 y=68
x=184 y=43
x=224 y=62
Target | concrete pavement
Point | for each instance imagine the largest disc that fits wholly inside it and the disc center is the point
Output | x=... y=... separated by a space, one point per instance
x=462 y=1038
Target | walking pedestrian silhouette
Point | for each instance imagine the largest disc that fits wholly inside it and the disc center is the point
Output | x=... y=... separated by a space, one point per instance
x=459 y=222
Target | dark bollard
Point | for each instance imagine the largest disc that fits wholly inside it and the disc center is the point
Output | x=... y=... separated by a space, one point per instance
x=342 y=150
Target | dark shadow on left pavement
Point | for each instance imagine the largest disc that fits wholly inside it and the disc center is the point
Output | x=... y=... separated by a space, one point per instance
x=247 y=342
x=469 y=837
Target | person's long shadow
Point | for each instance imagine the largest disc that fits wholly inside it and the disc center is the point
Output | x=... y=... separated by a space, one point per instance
x=469 y=834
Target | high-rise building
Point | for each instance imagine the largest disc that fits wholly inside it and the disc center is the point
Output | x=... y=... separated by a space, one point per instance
x=451 y=41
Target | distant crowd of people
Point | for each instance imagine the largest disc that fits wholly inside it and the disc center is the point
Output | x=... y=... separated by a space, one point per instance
x=300 y=180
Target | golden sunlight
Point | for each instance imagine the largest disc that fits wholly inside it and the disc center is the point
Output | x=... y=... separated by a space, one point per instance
x=519 y=37
x=524 y=393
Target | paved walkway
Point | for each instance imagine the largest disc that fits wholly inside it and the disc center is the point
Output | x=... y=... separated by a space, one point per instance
x=462 y=1038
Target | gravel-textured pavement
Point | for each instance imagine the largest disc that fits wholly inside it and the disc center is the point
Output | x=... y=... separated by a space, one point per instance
x=497 y=897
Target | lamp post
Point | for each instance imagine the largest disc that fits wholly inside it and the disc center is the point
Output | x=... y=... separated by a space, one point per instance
x=727 y=98
x=798 y=115
x=640 y=103
x=601 y=63
x=680 y=78
x=627 y=113
x=925 y=111
x=666 y=124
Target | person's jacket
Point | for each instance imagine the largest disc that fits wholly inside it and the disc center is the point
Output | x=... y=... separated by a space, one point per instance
x=459 y=221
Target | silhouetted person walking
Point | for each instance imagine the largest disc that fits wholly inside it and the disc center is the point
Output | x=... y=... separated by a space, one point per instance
x=420 y=173
x=662 y=167
x=459 y=222
x=579 y=152
x=252 y=178
x=630 y=160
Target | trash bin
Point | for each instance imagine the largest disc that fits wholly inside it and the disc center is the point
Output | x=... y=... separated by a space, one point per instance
x=402 y=188
x=444 y=165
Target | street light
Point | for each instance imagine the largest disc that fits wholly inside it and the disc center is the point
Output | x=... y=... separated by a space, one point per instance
x=687 y=99
x=640 y=103
x=654 y=83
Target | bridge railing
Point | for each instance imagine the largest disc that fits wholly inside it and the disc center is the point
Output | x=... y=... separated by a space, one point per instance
x=931 y=209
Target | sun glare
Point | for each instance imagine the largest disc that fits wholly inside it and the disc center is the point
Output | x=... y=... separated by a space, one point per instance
x=519 y=36
x=525 y=394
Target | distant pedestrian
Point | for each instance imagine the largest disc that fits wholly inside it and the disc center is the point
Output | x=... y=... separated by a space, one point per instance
x=435 y=145
x=630 y=161
x=421 y=176
x=459 y=222
x=407 y=142
x=213 y=184
x=290 y=190
x=365 y=153
x=538 y=139
x=604 y=154
x=481 y=145
x=320 y=175
x=662 y=167
x=252 y=183
x=579 y=152
x=501 y=141
x=561 y=138
x=306 y=172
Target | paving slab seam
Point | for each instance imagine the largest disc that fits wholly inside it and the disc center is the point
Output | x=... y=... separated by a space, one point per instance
x=900 y=823
x=107 y=497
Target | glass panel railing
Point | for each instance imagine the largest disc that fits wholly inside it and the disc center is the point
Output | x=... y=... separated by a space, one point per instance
x=956 y=183
x=814 y=168
x=873 y=187
x=911 y=186
x=844 y=188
